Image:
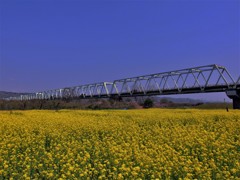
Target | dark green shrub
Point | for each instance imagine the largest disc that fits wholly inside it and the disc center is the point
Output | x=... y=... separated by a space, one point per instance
x=148 y=103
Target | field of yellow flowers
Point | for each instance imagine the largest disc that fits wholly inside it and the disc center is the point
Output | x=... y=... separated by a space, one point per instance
x=120 y=144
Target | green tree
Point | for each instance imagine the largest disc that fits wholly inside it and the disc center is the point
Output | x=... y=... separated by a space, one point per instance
x=148 y=103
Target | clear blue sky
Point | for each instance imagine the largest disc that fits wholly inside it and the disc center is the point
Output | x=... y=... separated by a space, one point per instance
x=46 y=44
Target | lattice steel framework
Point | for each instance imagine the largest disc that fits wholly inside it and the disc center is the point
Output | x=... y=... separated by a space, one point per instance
x=238 y=81
x=201 y=79
x=211 y=78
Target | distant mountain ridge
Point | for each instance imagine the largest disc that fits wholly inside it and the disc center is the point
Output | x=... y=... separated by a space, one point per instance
x=5 y=94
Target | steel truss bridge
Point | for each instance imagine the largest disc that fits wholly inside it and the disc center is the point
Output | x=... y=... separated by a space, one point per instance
x=203 y=79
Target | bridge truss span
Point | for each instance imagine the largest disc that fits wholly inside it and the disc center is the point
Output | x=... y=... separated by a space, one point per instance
x=191 y=80
x=83 y=91
x=202 y=79
x=238 y=82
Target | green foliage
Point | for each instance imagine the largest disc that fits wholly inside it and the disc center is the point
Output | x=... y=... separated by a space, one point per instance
x=67 y=104
x=148 y=103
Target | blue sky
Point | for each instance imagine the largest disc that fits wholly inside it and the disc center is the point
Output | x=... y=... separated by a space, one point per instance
x=50 y=44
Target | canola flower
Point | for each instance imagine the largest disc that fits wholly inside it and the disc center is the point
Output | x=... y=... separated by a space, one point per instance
x=119 y=144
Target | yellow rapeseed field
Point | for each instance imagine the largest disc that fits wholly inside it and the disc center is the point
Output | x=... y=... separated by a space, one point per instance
x=120 y=144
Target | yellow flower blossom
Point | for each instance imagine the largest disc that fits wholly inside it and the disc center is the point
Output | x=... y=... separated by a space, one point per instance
x=116 y=144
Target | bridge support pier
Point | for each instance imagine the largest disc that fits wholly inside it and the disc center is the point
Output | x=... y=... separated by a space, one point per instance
x=235 y=96
x=236 y=103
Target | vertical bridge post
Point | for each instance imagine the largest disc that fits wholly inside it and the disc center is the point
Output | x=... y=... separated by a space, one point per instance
x=235 y=96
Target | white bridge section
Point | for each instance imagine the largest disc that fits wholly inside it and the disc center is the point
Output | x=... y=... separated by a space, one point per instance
x=210 y=78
